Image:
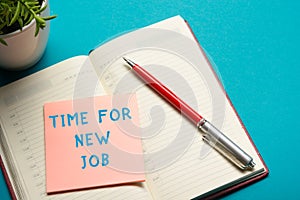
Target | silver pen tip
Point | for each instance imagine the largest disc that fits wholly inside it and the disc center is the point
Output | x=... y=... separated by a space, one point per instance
x=251 y=164
x=129 y=62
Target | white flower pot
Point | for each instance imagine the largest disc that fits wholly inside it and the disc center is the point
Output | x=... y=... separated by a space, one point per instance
x=23 y=49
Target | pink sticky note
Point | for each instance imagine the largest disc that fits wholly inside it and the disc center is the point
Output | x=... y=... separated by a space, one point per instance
x=92 y=142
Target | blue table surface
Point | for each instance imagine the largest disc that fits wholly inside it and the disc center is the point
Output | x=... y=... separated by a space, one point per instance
x=255 y=45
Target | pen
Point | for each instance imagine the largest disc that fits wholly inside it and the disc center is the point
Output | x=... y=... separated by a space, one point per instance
x=211 y=134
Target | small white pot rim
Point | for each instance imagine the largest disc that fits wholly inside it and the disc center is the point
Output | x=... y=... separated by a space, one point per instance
x=24 y=29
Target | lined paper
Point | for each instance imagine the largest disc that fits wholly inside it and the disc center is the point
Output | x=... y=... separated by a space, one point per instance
x=185 y=167
x=22 y=114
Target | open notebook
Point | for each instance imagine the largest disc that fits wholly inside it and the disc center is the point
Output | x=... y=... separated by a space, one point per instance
x=178 y=164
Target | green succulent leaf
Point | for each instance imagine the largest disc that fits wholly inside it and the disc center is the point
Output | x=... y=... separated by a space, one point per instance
x=3 y=42
x=16 y=14
x=49 y=17
x=37 y=29
x=21 y=23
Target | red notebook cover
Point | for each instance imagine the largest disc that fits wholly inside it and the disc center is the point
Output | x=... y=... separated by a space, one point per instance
x=9 y=185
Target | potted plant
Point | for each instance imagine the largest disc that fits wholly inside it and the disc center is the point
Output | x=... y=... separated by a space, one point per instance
x=24 y=32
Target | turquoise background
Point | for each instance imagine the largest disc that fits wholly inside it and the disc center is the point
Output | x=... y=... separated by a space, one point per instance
x=255 y=45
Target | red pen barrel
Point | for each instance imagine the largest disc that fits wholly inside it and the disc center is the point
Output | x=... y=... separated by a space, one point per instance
x=212 y=135
x=168 y=95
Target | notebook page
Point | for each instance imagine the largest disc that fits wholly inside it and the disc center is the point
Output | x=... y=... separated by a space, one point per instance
x=21 y=106
x=178 y=163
